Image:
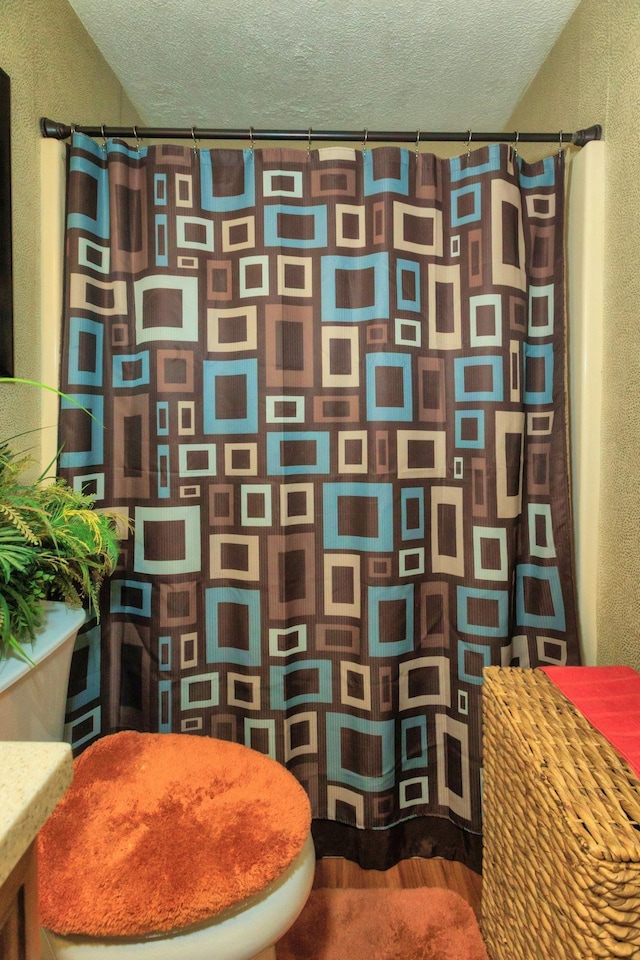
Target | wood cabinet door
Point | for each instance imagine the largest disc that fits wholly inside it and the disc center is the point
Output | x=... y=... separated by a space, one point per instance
x=19 y=929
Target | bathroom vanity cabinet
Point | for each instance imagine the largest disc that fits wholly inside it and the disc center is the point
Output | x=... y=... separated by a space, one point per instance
x=19 y=930
x=33 y=778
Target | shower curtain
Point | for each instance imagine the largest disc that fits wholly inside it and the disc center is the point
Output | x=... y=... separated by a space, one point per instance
x=328 y=394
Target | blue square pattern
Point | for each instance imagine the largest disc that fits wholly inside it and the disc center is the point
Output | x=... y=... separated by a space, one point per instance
x=378 y=310
x=86 y=727
x=460 y=367
x=410 y=725
x=379 y=646
x=383 y=495
x=94 y=480
x=160 y=189
x=164 y=706
x=276 y=443
x=381 y=730
x=134 y=153
x=262 y=490
x=91 y=641
x=543 y=351
x=544 y=179
x=82 y=328
x=473 y=648
x=317 y=215
x=555 y=619
x=100 y=227
x=477 y=442
x=95 y=453
x=460 y=172
x=475 y=191
x=141 y=587
x=399 y=184
x=280 y=674
x=546 y=292
x=120 y=364
x=245 y=370
x=217 y=649
x=164 y=653
x=189 y=517
x=227 y=203
x=499 y=537
x=162 y=418
x=401 y=361
x=499 y=597
x=407 y=495
x=260 y=726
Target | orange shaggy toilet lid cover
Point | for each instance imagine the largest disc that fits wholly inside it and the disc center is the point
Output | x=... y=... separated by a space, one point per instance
x=161 y=831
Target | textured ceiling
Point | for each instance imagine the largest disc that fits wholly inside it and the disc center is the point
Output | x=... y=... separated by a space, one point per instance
x=325 y=64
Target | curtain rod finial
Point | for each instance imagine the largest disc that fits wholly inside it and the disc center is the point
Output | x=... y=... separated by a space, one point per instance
x=581 y=137
x=57 y=131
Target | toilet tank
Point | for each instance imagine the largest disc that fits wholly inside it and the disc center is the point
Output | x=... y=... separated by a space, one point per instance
x=33 y=697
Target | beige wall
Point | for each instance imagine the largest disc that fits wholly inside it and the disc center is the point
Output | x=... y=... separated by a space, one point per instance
x=56 y=71
x=593 y=76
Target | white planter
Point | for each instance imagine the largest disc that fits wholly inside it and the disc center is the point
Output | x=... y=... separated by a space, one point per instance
x=33 y=698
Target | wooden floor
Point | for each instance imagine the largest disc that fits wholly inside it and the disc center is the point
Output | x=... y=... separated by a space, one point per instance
x=337 y=872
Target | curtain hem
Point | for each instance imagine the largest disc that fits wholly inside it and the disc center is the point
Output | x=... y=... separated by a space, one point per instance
x=426 y=837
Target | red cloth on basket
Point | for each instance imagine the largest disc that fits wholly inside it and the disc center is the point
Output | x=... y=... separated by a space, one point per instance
x=609 y=698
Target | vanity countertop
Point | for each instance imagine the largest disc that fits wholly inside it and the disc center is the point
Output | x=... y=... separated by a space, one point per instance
x=33 y=778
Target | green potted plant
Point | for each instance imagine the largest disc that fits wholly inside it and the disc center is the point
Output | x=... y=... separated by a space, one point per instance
x=53 y=546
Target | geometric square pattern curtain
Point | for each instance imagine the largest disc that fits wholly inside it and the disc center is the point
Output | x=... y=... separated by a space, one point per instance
x=328 y=391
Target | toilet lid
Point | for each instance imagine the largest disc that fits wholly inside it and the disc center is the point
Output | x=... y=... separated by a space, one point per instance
x=161 y=831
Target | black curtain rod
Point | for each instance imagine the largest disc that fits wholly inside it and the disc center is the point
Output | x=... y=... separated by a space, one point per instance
x=60 y=131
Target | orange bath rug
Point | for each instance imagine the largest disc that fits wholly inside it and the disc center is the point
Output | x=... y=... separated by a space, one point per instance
x=382 y=924
x=160 y=831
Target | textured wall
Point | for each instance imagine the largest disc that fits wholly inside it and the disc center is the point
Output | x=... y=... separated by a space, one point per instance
x=593 y=76
x=55 y=71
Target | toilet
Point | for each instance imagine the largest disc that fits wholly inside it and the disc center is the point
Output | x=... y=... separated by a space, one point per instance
x=249 y=930
x=245 y=928
x=121 y=857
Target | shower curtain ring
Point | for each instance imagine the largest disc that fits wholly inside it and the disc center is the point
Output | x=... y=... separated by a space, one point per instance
x=560 y=149
x=417 y=144
x=309 y=142
x=104 y=139
x=135 y=133
x=251 y=143
x=469 y=135
x=364 y=140
x=514 y=146
x=195 y=142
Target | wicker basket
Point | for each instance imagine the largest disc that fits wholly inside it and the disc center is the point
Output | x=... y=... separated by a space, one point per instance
x=561 y=868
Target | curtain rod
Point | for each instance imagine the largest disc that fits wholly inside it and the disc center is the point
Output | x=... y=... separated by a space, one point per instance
x=60 y=131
